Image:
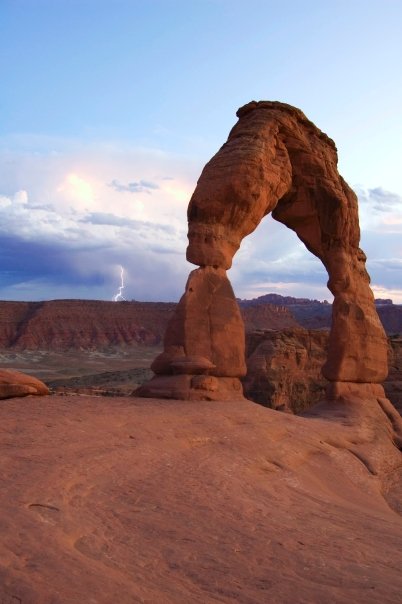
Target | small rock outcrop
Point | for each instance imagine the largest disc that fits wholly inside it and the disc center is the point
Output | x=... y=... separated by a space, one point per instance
x=284 y=368
x=14 y=383
x=275 y=161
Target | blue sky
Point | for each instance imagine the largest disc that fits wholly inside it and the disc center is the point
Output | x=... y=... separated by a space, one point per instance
x=110 y=109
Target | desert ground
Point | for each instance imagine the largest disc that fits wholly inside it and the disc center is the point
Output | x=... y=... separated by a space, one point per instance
x=139 y=500
x=115 y=371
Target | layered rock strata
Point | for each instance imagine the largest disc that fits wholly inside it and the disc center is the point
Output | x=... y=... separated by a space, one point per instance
x=276 y=161
x=63 y=325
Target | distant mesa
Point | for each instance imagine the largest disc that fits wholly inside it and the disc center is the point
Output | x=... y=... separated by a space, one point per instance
x=274 y=161
x=63 y=325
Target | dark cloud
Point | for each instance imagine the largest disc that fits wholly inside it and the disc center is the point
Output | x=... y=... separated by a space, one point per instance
x=142 y=186
x=37 y=271
x=22 y=260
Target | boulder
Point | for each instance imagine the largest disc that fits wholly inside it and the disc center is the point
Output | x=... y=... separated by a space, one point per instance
x=15 y=383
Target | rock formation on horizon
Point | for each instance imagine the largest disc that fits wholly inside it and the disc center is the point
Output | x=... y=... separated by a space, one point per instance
x=275 y=160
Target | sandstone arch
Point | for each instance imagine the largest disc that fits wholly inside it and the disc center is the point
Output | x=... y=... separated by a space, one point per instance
x=275 y=160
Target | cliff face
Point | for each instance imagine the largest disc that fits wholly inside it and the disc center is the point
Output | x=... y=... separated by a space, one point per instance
x=81 y=324
x=90 y=324
x=283 y=359
x=391 y=317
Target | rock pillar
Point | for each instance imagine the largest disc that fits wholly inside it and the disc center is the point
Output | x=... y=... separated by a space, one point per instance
x=204 y=344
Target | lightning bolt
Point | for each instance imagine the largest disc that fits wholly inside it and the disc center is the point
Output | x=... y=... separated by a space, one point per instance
x=119 y=295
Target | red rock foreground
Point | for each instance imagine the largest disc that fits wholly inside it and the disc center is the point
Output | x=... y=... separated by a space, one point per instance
x=131 y=500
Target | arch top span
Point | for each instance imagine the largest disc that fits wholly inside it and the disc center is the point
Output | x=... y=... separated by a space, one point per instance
x=277 y=161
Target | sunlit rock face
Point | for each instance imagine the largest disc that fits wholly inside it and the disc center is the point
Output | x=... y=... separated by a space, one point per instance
x=275 y=161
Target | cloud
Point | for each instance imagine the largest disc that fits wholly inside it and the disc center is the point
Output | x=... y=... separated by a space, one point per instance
x=102 y=218
x=380 y=210
x=64 y=232
x=379 y=198
x=143 y=186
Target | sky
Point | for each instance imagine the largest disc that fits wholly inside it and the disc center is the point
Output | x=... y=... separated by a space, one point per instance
x=111 y=108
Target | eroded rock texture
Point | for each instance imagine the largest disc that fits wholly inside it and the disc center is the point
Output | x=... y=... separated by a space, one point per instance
x=276 y=160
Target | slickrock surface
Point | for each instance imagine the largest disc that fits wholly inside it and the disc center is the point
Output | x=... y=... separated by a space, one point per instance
x=276 y=160
x=132 y=500
x=15 y=383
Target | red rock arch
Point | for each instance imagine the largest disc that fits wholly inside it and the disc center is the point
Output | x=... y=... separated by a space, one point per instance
x=275 y=160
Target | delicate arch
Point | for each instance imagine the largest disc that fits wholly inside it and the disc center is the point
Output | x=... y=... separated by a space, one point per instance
x=275 y=160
